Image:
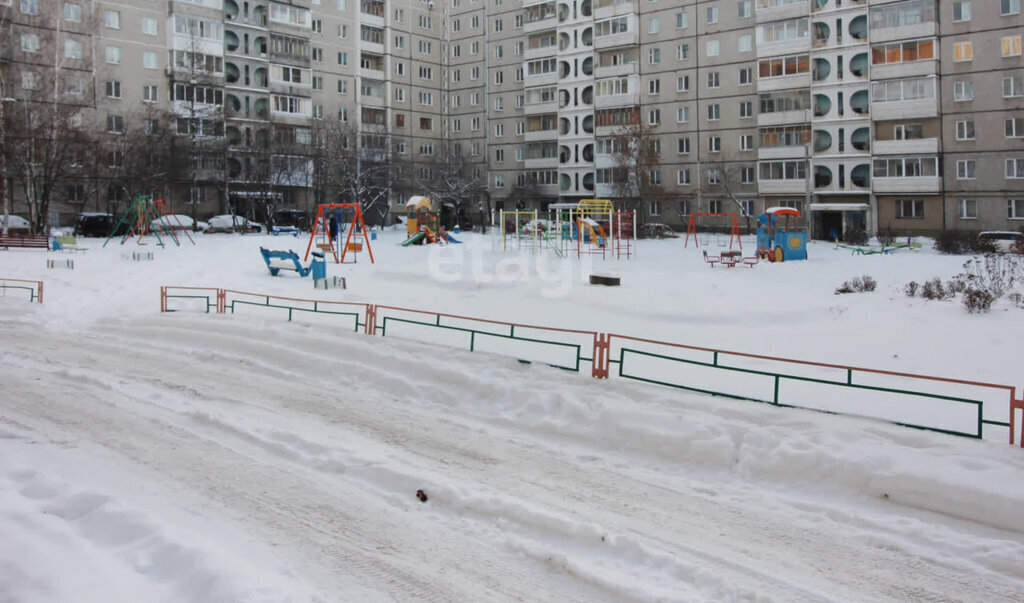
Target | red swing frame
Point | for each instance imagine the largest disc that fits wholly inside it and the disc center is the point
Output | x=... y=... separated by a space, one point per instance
x=734 y=232
x=321 y=227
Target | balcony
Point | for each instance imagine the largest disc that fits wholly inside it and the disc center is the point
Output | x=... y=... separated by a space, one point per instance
x=911 y=31
x=916 y=146
x=612 y=8
x=786 y=11
x=627 y=99
x=540 y=163
x=291 y=89
x=540 y=108
x=770 y=84
x=615 y=70
x=782 y=187
x=924 y=107
x=917 y=184
x=539 y=16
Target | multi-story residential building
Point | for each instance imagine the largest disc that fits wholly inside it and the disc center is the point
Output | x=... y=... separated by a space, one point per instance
x=901 y=116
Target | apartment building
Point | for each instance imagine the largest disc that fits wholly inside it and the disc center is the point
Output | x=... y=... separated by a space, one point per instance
x=901 y=116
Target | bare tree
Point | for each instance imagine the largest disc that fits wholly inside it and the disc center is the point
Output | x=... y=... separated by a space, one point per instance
x=636 y=158
x=356 y=167
x=43 y=125
x=139 y=162
x=451 y=180
x=724 y=179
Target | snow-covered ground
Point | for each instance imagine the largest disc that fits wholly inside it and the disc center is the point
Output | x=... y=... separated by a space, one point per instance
x=203 y=457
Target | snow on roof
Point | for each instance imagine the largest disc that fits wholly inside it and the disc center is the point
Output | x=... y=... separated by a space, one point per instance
x=416 y=201
x=782 y=211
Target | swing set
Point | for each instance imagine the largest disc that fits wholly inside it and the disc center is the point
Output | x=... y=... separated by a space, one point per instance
x=734 y=230
x=146 y=215
x=328 y=227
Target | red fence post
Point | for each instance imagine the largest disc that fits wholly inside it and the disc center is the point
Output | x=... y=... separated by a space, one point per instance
x=371 y=320
x=602 y=347
x=40 y=291
x=222 y=301
x=1016 y=405
x=163 y=299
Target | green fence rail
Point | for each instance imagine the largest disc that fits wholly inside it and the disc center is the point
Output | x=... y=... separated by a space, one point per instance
x=773 y=380
x=34 y=288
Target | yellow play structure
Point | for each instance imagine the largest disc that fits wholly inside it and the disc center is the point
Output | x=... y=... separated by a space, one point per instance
x=423 y=224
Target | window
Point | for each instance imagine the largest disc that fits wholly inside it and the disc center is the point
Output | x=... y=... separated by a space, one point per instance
x=426 y=148
x=683 y=146
x=714 y=112
x=682 y=52
x=682 y=83
x=1014 y=127
x=715 y=144
x=499 y=130
x=963 y=91
x=712 y=48
x=149 y=26
x=112 y=19
x=965 y=129
x=30 y=7
x=683 y=115
x=318 y=26
x=1015 y=168
x=499 y=181
x=682 y=20
x=714 y=80
x=910 y=208
x=426 y=123
x=654 y=207
x=343 y=87
x=654 y=87
x=498 y=25
x=653 y=25
x=654 y=117
x=746 y=9
x=400 y=42
x=1009 y=7
x=113 y=89
x=343 y=58
x=1013 y=86
x=962 y=10
x=908 y=131
x=963 y=51
x=115 y=124
x=499 y=155
x=318 y=82
x=967 y=209
x=1015 y=209
x=318 y=55
x=965 y=169
x=72 y=12
x=1011 y=46
x=747 y=207
x=654 y=177
x=683 y=177
x=783 y=67
x=712 y=14
x=747 y=177
x=115 y=159
x=746 y=142
x=30 y=43
x=654 y=56
x=112 y=54
x=746 y=109
x=72 y=49
x=29 y=80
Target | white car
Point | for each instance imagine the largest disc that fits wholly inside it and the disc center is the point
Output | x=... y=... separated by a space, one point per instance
x=177 y=222
x=15 y=223
x=1003 y=240
x=229 y=223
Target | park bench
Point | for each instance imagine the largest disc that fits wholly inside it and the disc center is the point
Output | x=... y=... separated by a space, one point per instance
x=7 y=241
x=66 y=243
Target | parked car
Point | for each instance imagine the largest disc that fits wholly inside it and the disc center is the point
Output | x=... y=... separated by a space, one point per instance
x=656 y=230
x=178 y=222
x=230 y=223
x=98 y=224
x=1002 y=240
x=291 y=217
x=15 y=223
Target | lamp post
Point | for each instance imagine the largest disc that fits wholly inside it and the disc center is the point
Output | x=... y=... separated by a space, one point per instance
x=5 y=202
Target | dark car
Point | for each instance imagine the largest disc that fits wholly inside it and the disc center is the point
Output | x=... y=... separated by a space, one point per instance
x=99 y=225
x=291 y=217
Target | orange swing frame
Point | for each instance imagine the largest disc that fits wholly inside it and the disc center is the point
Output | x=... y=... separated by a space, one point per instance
x=321 y=227
x=734 y=231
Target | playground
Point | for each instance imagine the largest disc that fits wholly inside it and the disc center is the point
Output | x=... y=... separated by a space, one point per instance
x=257 y=434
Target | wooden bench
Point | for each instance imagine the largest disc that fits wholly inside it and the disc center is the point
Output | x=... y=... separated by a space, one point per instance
x=24 y=240
x=66 y=243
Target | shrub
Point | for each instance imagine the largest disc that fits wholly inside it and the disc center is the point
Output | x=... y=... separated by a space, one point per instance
x=977 y=301
x=855 y=236
x=911 y=289
x=885 y=239
x=995 y=274
x=960 y=242
x=933 y=290
x=957 y=284
x=1016 y=299
x=858 y=284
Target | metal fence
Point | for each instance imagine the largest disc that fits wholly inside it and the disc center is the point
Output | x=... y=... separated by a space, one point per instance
x=941 y=404
x=34 y=288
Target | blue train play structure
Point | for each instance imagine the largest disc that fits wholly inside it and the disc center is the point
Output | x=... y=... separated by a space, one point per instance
x=777 y=240
x=289 y=260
